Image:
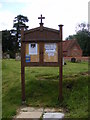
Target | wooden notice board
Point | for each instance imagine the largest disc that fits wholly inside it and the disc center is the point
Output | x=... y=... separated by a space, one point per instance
x=41 y=46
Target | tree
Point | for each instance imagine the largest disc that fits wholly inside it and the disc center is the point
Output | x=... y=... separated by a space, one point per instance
x=70 y=37
x=83 y=37
x=19 y=21
x=82 y=27
x=8 y=43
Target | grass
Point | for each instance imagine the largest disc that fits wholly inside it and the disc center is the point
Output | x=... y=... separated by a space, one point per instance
x=42 y=88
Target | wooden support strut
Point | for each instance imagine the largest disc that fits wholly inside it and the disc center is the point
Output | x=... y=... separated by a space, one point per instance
x=22 y=66
x=60 y=65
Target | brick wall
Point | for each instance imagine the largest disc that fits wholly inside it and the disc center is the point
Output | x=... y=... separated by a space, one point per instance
x=77 y=58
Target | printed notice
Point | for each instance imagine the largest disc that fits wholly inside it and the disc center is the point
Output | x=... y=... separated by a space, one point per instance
x=50 y=49
x=27 y=58
x=32 y=49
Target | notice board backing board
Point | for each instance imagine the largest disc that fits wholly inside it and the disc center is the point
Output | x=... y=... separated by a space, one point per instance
x=50 y=52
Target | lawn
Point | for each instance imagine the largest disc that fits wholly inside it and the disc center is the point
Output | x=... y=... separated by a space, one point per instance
x=42 y=88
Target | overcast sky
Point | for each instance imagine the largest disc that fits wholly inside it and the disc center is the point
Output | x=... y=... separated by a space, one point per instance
x=66 y=12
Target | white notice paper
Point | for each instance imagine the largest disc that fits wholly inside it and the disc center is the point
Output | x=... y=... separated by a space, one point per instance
x=50 y=49
x=32 y=49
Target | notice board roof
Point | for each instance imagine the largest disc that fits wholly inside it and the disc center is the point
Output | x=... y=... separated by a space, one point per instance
x=41 y=34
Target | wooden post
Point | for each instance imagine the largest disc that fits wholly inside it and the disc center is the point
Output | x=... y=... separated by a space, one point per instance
x=22 y=66
x=60 y=65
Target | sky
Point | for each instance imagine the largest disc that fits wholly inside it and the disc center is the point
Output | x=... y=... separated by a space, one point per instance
x=70 y=13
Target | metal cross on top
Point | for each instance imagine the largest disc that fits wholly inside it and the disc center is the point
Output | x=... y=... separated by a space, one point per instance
x=41 y=18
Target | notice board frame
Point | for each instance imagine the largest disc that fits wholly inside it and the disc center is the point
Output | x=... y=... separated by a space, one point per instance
x=41 y=63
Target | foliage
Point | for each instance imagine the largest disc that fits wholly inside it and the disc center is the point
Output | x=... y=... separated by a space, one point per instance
x=42 y=88
x=8 y=43
x=82 y=27
x=83 y=37
x=11 y=38
x=19 y=21
x=70 y=37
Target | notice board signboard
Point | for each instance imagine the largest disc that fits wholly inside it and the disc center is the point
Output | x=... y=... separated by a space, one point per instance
x=41 y=46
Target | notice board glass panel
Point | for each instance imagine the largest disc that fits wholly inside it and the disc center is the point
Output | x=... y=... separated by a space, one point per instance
x=32 y=52
x=50 y=52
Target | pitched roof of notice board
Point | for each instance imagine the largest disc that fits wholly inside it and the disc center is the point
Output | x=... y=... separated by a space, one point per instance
x=42 y=33
x=39 y=29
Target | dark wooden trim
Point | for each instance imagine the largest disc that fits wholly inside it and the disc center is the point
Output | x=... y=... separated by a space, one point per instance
x=41 y=40
x=61 y=65
x=41 y=51
x=52 y=64
x=22 y=66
